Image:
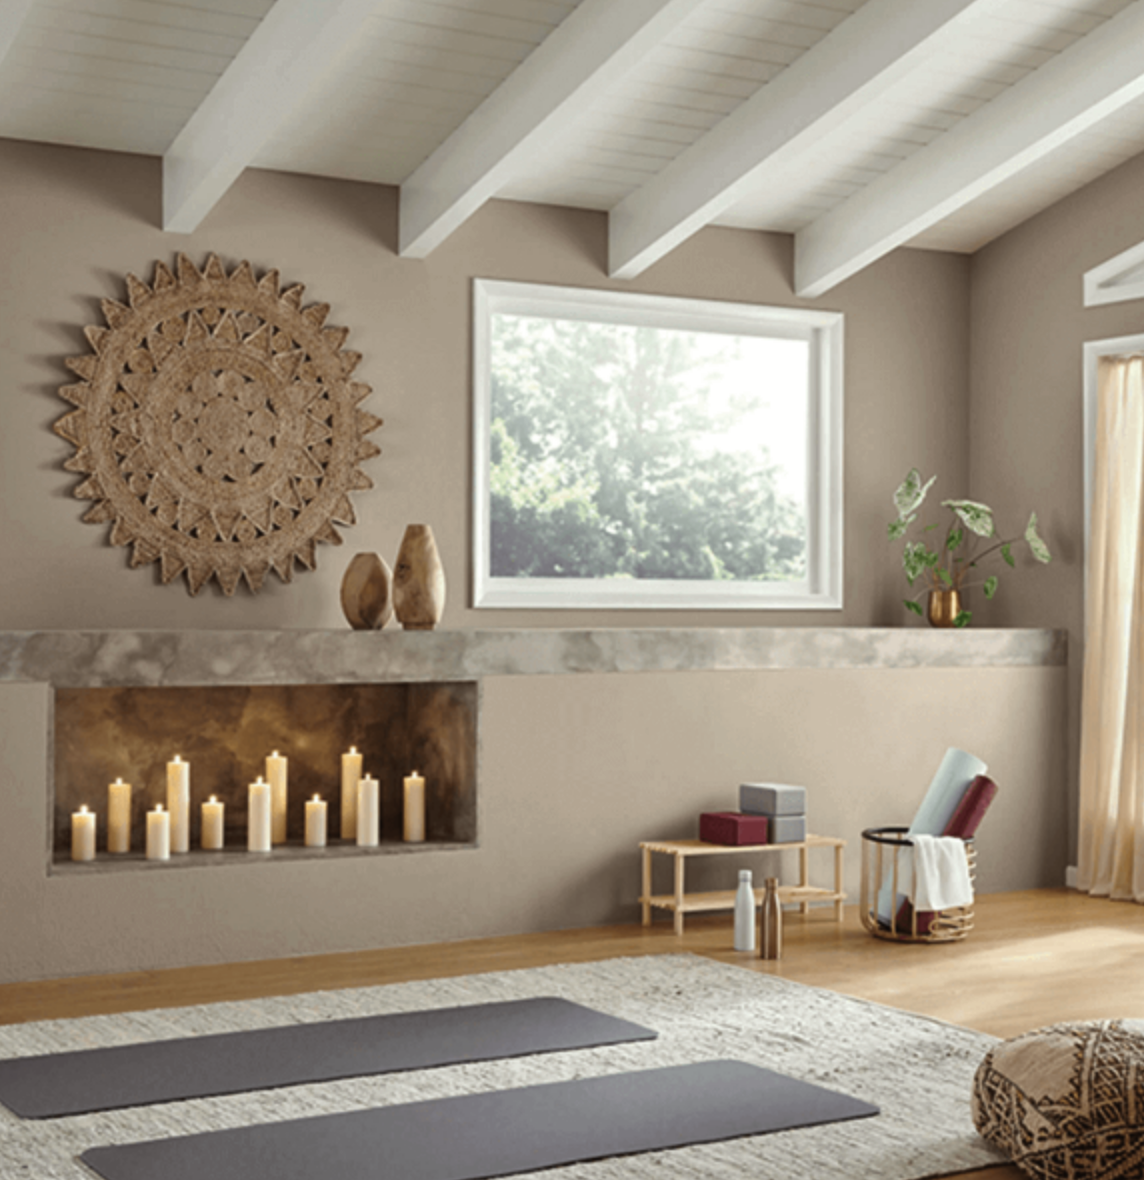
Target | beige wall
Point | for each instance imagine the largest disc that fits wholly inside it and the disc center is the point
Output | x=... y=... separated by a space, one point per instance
x=1028 y=328
x=575 y=771
x=73 y=222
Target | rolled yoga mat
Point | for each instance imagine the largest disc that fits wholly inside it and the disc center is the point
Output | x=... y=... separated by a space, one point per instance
x=496 y=1133
x=90 y=1080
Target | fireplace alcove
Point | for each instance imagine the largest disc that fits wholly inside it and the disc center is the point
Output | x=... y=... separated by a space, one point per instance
x=226 y=732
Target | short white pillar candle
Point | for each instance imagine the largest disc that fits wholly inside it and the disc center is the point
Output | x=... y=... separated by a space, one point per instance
x=83 y=834
x=158 y=834
x=276 y=777
x=368 y=813
x=258 y=817
x=119 y=816
x=179 y=803
x=316 y=822
x=413 y=818
x=351 y=776
x=214 y=814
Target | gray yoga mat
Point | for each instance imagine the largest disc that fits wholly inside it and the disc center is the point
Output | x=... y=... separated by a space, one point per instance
x=90 y=1080
x=496 y=1133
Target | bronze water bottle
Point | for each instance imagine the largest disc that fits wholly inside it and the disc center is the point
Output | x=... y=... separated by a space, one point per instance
x=771 y=921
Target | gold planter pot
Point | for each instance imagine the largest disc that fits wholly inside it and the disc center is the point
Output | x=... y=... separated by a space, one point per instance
x=943 y=607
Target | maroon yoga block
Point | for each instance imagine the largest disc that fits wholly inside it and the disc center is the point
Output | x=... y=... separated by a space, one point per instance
x=732 y=827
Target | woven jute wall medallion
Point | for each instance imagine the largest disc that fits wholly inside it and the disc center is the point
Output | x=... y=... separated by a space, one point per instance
x=218 y=425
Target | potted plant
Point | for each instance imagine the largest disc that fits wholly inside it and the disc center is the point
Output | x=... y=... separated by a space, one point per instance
x=952 y=565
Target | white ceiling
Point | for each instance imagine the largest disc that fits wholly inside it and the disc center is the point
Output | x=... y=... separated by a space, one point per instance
x=856 y=126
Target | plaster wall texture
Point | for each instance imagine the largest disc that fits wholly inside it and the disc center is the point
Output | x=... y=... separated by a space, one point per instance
x=73 y=222
x=575 y=771
x=1026 y=440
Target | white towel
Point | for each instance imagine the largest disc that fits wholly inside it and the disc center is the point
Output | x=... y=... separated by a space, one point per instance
x=941 y=874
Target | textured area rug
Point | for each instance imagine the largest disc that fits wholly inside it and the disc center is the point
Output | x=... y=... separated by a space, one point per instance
x=919 y=1071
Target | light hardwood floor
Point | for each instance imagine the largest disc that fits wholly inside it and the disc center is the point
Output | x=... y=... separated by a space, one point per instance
x=1033 y=958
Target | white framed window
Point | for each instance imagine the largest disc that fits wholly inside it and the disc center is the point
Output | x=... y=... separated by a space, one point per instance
x=641 y=451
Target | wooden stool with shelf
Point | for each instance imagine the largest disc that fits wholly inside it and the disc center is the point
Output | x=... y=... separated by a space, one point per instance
x=679 y=903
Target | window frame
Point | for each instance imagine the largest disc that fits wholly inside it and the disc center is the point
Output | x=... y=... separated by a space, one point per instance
x=821 y=590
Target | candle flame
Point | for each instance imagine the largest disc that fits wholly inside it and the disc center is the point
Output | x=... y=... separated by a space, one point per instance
x=213 y=799
x=316 y=799
x=158 y=806
x=177 y=758
x=275 y=754
x=353 y=749
x=83 y=808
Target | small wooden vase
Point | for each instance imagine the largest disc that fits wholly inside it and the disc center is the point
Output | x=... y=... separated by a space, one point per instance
x=367 y=592
x=943 y=607
x=418 y=580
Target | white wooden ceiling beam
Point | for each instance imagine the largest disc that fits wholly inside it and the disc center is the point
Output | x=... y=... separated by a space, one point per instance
x=294 y=45
x=590 y=50
x=853 y=64
x=12 y=16
x=1089 y=81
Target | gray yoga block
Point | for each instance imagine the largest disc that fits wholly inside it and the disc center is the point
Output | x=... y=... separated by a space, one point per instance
x=786 y=829
x=772 y=799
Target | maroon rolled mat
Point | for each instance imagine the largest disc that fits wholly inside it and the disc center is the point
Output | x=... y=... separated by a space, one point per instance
x=964 y=823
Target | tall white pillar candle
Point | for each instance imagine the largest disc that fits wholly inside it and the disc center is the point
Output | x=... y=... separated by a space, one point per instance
x=316 y=822
x=276 y=777
x=158 y=834
x=179 y=803
x=413 y=825
x=83 y=834
x=368 y=813
x=119 y=816
x=351 y=775
x=214 y=818
x=258 y=817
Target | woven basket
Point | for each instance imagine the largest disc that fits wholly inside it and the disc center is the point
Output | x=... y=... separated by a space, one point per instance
x=882 y=863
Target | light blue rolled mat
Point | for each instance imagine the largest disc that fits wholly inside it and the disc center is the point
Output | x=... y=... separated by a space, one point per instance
x=957 y=770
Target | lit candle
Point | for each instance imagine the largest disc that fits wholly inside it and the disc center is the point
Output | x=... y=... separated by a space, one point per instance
x=276 y=777
x=83 y=834
x=179 y=803
x=351 y=775
x=158 y=834
x=316 y=822
x=212 y=827
x=258 y=817
x=368 y=813
x=414 y=814
x=119 y=816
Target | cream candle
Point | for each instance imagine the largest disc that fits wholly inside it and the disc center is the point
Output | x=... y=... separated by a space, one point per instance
x=179 y=803
x=316 y=822
x=158 y=834
x=276 y=777
x=119 y=816
x=214 y=813
x=351 y=775
x=258 y=817
x=83 y=834
x=413 y=817
x=368 y=813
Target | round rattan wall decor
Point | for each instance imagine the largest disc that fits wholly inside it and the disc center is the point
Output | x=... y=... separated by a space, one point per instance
x=218 y=425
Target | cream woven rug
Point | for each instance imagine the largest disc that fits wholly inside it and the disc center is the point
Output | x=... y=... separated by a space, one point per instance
x=919 y=1071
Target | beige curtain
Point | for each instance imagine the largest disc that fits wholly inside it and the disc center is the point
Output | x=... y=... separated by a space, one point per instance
x=1111 y=852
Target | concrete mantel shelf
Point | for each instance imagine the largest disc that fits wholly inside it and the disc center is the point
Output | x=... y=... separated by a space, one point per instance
x=92 y=659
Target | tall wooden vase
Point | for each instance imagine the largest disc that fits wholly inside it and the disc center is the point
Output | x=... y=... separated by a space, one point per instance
x=418 y=580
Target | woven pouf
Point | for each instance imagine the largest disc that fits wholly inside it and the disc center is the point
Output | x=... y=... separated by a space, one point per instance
x=1067 y=1101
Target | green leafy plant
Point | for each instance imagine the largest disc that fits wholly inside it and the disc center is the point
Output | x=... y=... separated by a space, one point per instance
x=953 y=561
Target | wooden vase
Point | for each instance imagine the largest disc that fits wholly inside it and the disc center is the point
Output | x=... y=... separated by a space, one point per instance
x=367 y=592
x=943 y=607
x=418 y=580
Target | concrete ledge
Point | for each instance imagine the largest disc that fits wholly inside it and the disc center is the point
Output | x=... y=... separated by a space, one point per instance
x=88 y=659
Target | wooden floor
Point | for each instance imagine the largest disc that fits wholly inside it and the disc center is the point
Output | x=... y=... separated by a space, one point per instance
x=1034 y=958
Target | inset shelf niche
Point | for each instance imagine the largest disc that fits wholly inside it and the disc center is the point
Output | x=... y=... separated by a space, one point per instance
x=225 y=733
